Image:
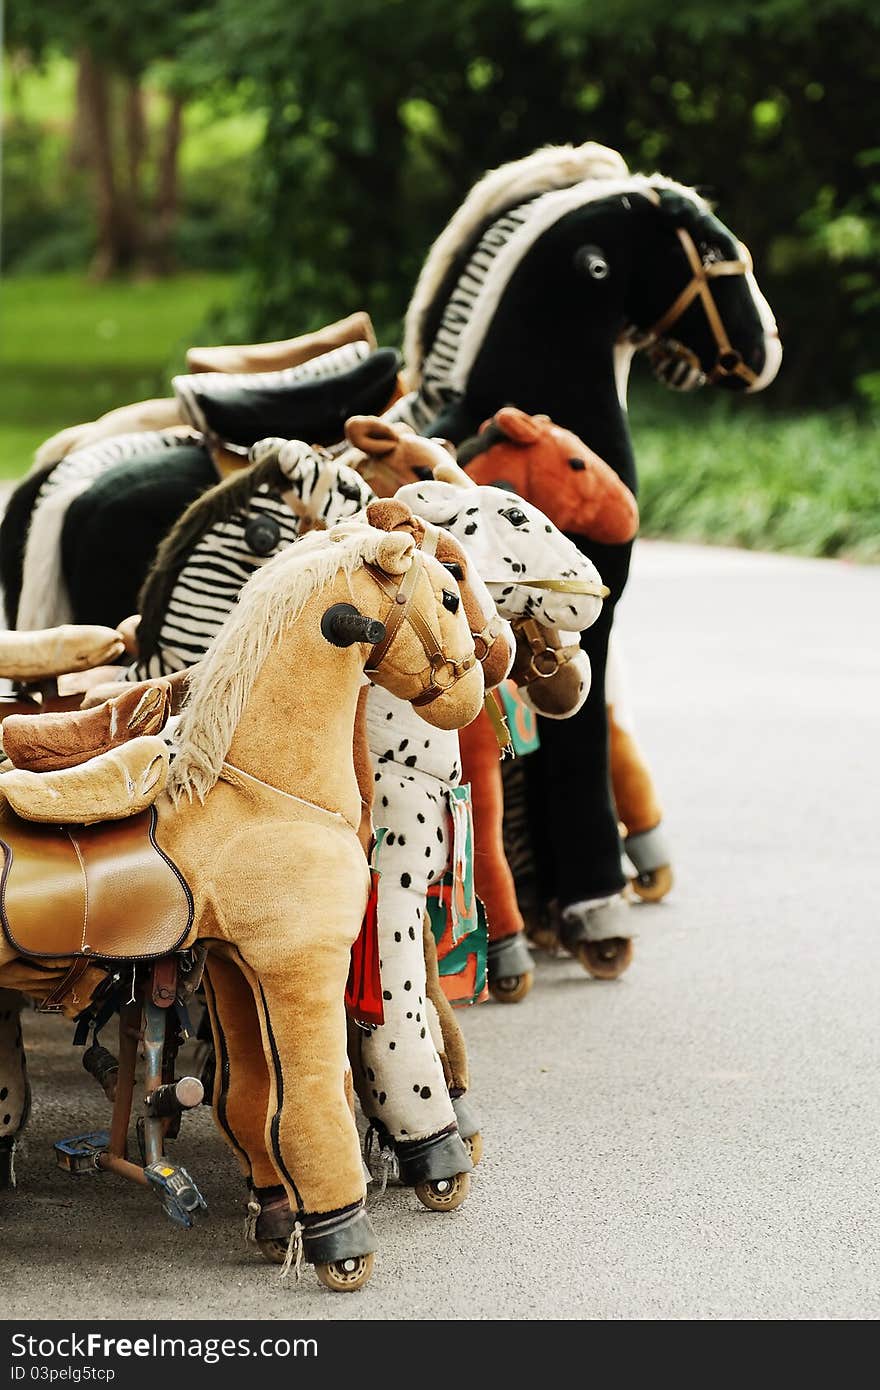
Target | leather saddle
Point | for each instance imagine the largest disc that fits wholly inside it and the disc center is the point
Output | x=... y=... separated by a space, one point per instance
x=240 y=409
x=105 y=891
x=50 y=742
x=291 y=352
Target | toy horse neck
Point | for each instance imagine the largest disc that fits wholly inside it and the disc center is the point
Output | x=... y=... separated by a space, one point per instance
x=582 y=398
x=297 y=729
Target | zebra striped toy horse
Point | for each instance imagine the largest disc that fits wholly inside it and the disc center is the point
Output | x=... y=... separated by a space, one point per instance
x=91 y=550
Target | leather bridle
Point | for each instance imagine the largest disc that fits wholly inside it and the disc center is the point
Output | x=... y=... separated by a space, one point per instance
x=544 y=659
x=729 y=362
x=442 y=671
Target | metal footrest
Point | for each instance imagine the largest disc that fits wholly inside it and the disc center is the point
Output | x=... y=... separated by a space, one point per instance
x=77 y=1155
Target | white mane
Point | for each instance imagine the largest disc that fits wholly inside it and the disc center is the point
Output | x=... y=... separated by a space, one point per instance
x=592 y=169
x=268 y=605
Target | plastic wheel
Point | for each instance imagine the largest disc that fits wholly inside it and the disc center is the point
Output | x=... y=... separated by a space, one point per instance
x=474 y=1146
x=510 y=989
x=346 y=1276
x=605 y=960
x=275 y=1251
x=444 y=1194
x=654 y=885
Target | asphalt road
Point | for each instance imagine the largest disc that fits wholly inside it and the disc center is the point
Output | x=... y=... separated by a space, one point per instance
x=696 y=1141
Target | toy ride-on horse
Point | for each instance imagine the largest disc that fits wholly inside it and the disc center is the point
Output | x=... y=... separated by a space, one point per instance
x=252 y=849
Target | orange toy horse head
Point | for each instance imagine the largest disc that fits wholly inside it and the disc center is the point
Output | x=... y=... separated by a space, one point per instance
x=555 y=471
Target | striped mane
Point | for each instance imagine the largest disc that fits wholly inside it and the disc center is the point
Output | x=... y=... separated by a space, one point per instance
x=219 y=503
x=554 y=166
x=267 y=608
x=472 y=260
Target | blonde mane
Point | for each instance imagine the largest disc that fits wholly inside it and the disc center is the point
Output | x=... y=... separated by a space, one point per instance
x=268 y=605
x=593 y=170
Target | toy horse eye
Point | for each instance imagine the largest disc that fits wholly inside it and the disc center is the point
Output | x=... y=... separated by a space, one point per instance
x=515 y=516
x=454 y=569
x=590 y=260
x=423 y=473
x=450 y=601
x=577 y=465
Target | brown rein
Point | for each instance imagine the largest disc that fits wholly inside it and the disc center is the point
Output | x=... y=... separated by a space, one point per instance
x=729 y=362
x=544 y=659
x=404 y=611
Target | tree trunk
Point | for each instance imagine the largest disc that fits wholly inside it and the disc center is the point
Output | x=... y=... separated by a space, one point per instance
x=167 y=190
x=94 y=88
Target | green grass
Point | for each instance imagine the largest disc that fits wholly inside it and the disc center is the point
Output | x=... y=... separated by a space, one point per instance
x=734 y=473
x=69 y=350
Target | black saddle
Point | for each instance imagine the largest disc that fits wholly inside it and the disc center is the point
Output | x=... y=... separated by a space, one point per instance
x=241 y=409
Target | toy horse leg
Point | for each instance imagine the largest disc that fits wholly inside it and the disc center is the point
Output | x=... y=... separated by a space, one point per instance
x=571 y=807
x=452 y=1048
x=403 y=1089
x=638 y=807
x=297 y=965
x=510 y=964
x=241 y=1077
x=15 y=1093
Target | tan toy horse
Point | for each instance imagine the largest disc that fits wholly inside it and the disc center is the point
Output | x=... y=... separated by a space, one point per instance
x=257 y=854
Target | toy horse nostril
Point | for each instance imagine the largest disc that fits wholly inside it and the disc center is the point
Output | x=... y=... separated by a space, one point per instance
x=577 y=465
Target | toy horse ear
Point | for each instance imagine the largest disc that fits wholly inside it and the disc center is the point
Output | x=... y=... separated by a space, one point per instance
x=292 y=454
x=371 y=435
x=389 y=514
x=394 y=554
x=448 y=471
x=517 y=426
x=674 y=204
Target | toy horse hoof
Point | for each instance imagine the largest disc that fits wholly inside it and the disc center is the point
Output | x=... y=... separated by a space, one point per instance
x=428 y=1162
x=652 y=886
x=275 y=1251
x=474 y=1146
x=346 y=1276
x=512 y=988
x=607 y=959
x=7 y=1165
x=444 y=1194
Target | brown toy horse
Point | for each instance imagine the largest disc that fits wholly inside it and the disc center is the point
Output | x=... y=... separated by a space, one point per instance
x=555 y=471
x=260 y=819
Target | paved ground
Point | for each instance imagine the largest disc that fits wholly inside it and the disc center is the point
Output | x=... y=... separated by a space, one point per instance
x=698 y=1140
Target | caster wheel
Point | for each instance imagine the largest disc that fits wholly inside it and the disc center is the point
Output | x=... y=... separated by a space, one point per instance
x=511 y=988
x=346 y=1276
x=605 y=960
x=474 y=1146
x=275 y=1251
x=444 y=1194
x=654 y=885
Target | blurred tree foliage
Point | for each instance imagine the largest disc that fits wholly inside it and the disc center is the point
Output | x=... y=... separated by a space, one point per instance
x=380 y=113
